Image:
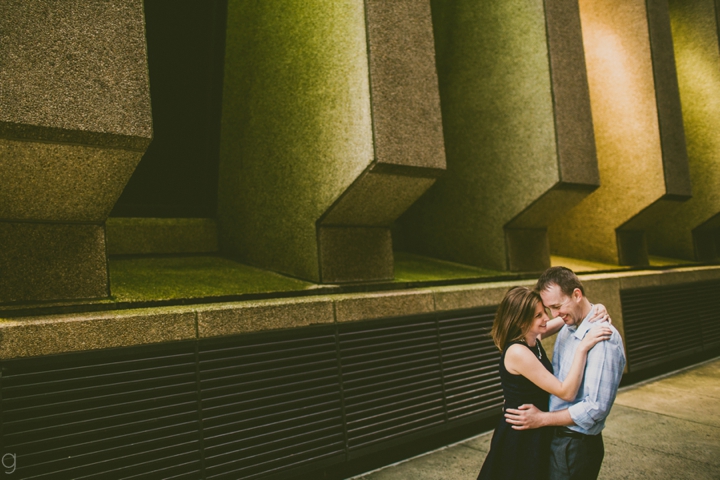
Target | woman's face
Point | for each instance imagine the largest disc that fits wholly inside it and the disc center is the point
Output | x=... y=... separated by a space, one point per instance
x=539 y=323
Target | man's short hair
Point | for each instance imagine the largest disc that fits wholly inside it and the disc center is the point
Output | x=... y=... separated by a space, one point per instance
x=563 y=277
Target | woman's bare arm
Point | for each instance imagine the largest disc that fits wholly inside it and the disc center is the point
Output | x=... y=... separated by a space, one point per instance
x=600 y=314
x=521 y=361
x=553 y=326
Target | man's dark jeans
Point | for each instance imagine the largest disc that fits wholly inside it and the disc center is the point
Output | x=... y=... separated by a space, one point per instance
x=575 y=456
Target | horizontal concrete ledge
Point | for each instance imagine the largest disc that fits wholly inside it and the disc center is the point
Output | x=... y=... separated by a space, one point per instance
x=651 y=278
x=53 y=334
x=350 y=308
x=247 y=317
x=73 y=333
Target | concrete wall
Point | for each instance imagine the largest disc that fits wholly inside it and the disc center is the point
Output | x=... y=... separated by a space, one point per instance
x=331 y=129
x=638 y=130
x=518 y=133
x=74 y=122
x=689 y=229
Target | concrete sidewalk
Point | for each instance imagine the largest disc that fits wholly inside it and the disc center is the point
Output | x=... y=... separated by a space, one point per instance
x=667 y=428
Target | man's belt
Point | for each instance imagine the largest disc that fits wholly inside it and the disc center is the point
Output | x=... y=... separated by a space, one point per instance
x=566 y=432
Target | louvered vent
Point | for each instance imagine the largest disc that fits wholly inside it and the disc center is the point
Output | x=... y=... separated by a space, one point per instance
x=257 y=406
x=391 y=379
x=668 y=322
x=270 y=403
x=129 y=413
x=470 y=364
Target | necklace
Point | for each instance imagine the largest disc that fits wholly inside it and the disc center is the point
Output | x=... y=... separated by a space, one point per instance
x=537 y=347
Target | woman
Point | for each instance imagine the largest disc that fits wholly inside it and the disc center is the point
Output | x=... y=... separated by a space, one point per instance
x=527 y=377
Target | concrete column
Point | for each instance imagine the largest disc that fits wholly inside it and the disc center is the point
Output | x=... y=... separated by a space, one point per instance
x=331 y=129
x=75 y=120
x=518 y=133
x=690 y=230
x=638 y=129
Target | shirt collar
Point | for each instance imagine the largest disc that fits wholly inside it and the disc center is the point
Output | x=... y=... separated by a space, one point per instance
x=585 y=325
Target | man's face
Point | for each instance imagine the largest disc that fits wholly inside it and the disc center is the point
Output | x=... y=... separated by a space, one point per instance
x=560 y=305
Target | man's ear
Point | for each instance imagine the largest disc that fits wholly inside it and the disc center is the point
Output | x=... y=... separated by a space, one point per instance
x=577 y=294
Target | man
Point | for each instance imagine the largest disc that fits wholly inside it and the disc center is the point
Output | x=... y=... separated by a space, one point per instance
x=577 y=448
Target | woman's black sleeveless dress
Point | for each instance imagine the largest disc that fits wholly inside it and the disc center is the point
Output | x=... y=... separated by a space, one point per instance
x=519 y=454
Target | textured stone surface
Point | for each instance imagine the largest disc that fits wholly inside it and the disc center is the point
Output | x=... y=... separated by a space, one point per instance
x=75 y=119
x=354 y=254
x=695 y=38
x=480 y=443
x=693 y=440
x=191 y=277
x=668 y=277
x=648 y=463
x=405 y=101
x=527 y=249
x=60 y=182
x=69 y=333
x=578 y=265
x=672 y=132
x=41 y=262
x=635 y=428
x=296 y=126
x=366 y=202
x=206 y=277
x=351 y=253
x=302 y=124
x=473 y=296
x=606 y=290
x=380 y=305
x=413 y=268
x=456 y=462
x=634 y=152
x=675 y=402
x=160 y=235
x=504 y=152
x=701 y=380
x=246 y=317
x=573 y=119
x=75 y=66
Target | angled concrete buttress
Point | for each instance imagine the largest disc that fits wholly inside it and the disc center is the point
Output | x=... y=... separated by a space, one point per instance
x=75 y=120
x=330 y=130
x=690 y=229
x=518 y=133
x=638 y=130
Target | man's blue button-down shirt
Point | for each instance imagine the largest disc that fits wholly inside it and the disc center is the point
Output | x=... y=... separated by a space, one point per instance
x=603 y=370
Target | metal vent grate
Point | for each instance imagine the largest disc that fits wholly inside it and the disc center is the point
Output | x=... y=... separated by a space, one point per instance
x=270 y=404
x=652 y=315
x=470 y=359
x=391 y=379
x=96 y=414
x=705 y=301
x=257 y=406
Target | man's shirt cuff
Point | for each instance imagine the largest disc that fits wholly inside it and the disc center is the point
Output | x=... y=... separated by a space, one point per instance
x=580 y=416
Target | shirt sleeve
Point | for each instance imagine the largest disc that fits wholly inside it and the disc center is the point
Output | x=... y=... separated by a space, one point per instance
x=605 y=364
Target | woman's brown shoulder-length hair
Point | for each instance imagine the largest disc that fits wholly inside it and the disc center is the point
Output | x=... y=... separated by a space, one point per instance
x=514 y=316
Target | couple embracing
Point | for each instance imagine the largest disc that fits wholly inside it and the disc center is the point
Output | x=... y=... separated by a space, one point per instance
x=557 y=437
